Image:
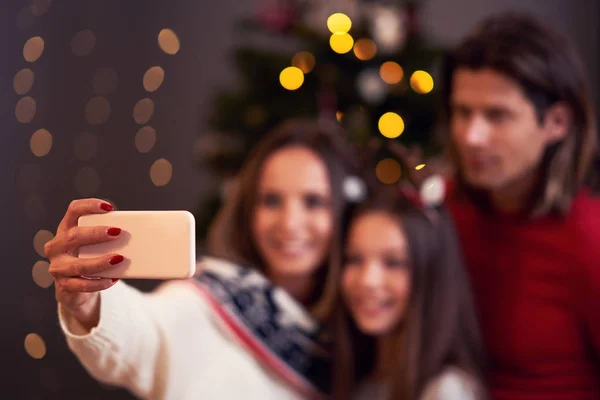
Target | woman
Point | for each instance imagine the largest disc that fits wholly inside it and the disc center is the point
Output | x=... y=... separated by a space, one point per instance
x=406 y=329
x=247 y=327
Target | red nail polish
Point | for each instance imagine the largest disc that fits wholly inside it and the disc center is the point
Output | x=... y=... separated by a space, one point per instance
x=114 y=260
x=106 y=207
x=114 y=280
x=113 y=231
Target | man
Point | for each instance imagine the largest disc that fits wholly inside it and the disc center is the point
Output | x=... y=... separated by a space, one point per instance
x=523 y=138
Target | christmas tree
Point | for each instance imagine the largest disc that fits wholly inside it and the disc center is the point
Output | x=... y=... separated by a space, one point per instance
x=363 y=63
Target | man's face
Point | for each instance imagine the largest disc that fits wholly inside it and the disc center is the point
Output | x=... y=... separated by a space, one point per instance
x=495 y=129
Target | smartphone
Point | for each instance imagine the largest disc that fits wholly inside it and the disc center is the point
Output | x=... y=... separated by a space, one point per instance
x=155 y=244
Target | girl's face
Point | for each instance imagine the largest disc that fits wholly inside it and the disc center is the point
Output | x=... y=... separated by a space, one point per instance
x=293 y=221
x=376 y=275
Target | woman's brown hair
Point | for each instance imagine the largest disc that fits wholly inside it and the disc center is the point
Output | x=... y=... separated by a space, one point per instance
x=439 y=329
x=548 y=68
x=230 y=235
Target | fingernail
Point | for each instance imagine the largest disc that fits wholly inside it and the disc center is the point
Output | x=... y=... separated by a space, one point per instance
x=114 y=260
x=106 y=207
x=113 y=231
x=114 y=280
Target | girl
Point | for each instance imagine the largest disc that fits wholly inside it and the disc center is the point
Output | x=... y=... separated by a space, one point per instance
x=248 y=327
x=407 y=329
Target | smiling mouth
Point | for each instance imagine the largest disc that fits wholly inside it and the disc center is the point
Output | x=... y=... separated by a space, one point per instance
x=291 y=248
x=373 y=307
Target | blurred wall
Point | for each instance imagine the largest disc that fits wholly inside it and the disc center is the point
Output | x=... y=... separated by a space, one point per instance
x=37 y=190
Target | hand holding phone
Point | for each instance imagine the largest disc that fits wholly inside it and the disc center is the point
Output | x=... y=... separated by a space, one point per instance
x=155 y=244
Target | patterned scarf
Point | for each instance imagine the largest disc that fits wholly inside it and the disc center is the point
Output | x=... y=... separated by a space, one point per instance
x=270 y=324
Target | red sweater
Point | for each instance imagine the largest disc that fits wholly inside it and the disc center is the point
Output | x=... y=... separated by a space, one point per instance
x=537 y=292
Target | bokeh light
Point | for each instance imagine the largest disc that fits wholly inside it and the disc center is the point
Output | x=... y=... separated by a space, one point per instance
x=391 y=125
x=304 y=60
x=33 y=49
x=25 y=109
x=420 y=167
x=41 y=142
x=40 y=239
x=168 y=41
x=23 y=81
x=339 y=23
x=391 y=72
x=143 y=110
x=83 y=43
x=365 y=49
x=40 y=274
x=153 y=78
x=341 y=43
x=97 y=110
x=421 y=82
x=145 y=139
x=161 y=172
x=35 y=346
x=291 y=78
x=388 y=171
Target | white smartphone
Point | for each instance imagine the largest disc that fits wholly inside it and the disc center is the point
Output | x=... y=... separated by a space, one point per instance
x=155 y=244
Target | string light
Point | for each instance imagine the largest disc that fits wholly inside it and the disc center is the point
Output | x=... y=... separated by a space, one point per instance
x=41 y=142
x=145 y=139
x=421 y=82
x=391 y=125
x=33 y=49
x=291 y=78
x=143 y=110
x=339 y=23
x=23 y=81
x=153 y=78
x=339 y=115
x=341 y=43
x=35 y=346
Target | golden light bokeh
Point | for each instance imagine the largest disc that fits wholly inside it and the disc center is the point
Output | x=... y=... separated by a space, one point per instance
x=25 y=109
x=87 y=181
x=35 y=346
x=168 y=41
x=143 y=110
x=86 y=146
x=41 y=142
x=421 y=82
x=40 y=239
x=391 y=125
x=365 y=49
x=304 y=60
x=23 y=81
x=97 y=110
x=33 y=49
x=145 y=138
x=420 y=167
x=291 y=78
x=83 y=43
x=161 y=172
x=40 y=274
x=388 y=171
x=105 y=81
x=339 y=115
x=339 y=23
x=391 y=72
x=341 y=43
x=153 y=78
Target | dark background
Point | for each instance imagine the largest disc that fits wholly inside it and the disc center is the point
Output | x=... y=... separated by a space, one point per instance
x=126 y=40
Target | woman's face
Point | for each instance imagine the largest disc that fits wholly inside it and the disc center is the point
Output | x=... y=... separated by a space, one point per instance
x=293 y=222
x=376 y=275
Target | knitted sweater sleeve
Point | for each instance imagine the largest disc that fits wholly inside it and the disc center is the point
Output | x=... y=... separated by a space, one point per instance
x=128 y=346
